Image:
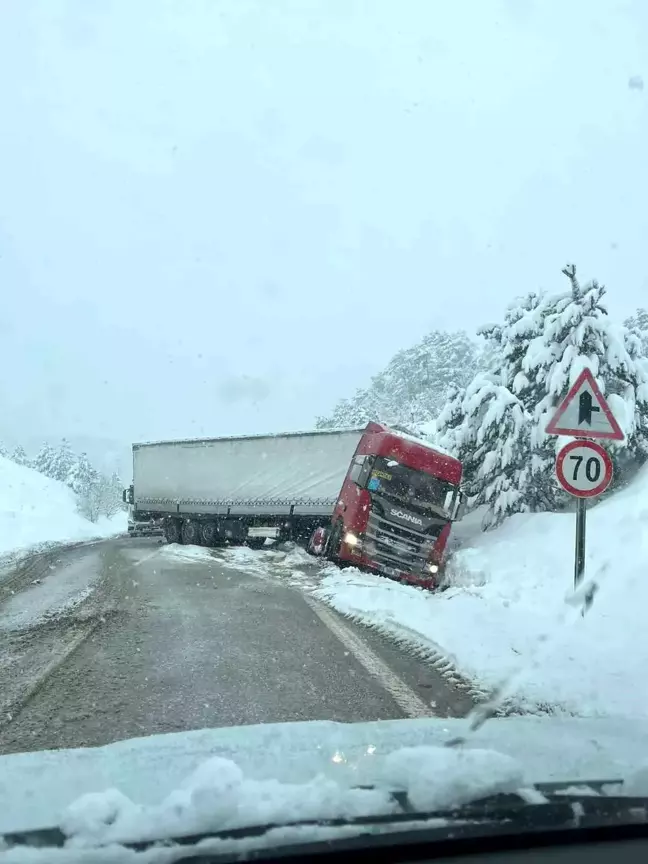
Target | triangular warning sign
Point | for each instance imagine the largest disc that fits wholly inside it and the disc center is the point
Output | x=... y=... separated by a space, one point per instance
x=584 y=413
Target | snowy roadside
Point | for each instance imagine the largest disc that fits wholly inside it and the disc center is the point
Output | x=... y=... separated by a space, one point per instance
x=286 y=562
x=506 y=613
x=49 y=606
x=195 y=554
x=506 y=609
x=38 y=521
x=37 y=514
x=103 y=529
x=44 y=584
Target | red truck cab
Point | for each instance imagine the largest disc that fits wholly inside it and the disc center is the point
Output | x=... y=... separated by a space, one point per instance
x=396 y=507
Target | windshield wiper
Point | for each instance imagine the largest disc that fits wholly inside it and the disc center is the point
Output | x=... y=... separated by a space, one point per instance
x=545 y=806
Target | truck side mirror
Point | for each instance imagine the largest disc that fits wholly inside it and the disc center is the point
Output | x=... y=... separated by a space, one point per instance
x=124 y=495
x=128 y=495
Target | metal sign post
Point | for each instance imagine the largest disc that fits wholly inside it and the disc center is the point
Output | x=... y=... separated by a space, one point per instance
x=579 y=565
x=583 y=467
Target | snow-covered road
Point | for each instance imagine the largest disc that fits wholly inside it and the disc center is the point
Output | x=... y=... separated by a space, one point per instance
x=132 y=637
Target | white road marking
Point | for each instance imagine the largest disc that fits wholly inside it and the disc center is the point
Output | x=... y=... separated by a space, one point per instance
x=403 y=695
x=146 y=558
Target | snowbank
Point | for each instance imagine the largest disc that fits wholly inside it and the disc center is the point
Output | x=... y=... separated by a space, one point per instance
x=195 y=554
x=288 y=563
x=35 y=510
x=506 y=608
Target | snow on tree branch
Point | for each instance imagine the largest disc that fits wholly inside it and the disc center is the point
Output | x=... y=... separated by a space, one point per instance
x=413 y=387
x=97 y=494
x=495 y=424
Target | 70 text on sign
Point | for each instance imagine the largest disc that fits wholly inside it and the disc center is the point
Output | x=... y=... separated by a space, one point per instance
x=584 y=468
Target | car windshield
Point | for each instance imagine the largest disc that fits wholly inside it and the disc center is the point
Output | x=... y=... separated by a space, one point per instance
x=324 y=411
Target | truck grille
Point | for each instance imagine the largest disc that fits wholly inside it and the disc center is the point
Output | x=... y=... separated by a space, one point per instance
x=398 y=546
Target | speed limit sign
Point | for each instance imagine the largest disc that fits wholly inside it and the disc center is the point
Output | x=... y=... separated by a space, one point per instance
x=584 y=468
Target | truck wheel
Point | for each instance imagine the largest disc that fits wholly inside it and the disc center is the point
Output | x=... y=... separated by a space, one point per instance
x=334 y=542
x=208 y=534
x=317 y=542
x=190 y=532
x=172 y=531
x=255 y=542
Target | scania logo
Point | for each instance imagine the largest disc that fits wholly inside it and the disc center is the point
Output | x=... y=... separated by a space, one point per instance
x=399 y=514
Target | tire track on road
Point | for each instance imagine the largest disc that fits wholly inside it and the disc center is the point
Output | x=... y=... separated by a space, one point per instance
x=10 y=709
x=25 y=575
x=33 y=567
x=31 y=655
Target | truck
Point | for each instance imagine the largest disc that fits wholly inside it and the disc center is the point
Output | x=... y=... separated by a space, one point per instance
x=372 y=496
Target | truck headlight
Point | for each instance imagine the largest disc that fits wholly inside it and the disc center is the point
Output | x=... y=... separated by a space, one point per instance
x=433 y=568
x=351 y=539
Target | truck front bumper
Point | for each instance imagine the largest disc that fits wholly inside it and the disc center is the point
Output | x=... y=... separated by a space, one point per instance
x=353 y=555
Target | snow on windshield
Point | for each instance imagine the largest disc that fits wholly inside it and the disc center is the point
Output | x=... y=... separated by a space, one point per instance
x=218 y=796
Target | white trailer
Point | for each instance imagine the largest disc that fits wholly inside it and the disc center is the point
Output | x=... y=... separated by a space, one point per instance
x=250 y=488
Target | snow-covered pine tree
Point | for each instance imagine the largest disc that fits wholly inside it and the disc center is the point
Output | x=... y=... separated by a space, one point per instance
x=109 y=495
x=3 y=450
x=45 y=461
x=356 y=411
x=19 y=456
x=117 y=487
x=486 y=426
x=638 y=325
x=494 y=416
x=84 y=481
x=81 y=474
x=62 y=461
x=509 y=343
x=413 y=387
x=496 y=425
x=578 y=333
x=524 y=323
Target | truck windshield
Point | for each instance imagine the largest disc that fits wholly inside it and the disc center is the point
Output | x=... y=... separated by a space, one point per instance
x=409 y=486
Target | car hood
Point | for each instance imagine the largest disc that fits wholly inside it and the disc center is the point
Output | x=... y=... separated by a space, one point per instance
x=36 y=788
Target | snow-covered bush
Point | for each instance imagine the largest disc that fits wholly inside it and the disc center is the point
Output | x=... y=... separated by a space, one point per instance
x=495 y=424
x=19 y=456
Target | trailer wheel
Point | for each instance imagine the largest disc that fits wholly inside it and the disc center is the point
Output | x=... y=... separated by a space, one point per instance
x=190 y=532
x=317 y=542
x=172 y=530
x=208 y=533
x=255 y=542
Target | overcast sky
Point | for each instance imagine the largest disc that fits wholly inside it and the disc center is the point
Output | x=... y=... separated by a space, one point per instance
x=220 y=216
